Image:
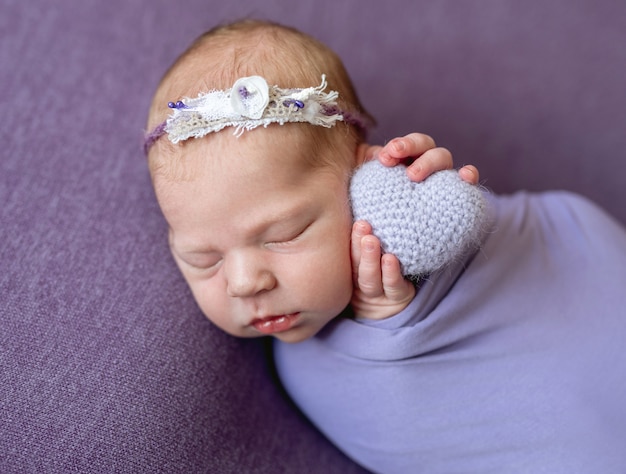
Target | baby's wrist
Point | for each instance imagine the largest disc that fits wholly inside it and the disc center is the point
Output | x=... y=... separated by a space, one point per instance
x=379 y=310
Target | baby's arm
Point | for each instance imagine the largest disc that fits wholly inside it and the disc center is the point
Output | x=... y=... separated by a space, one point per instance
x=380 y=289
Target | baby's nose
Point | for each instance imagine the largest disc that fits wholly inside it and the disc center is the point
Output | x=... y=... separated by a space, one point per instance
x=247 y=276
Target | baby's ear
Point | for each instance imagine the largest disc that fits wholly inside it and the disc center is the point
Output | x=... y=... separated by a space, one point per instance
x=364 y=153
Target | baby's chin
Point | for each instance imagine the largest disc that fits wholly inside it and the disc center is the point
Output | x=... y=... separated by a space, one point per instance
x=296 y=334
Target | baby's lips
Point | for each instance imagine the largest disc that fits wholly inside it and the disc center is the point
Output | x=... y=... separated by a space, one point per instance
x=275 y=324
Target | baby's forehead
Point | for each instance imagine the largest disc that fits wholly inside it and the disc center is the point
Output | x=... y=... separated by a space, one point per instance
x=207 y=180
x=263 y=152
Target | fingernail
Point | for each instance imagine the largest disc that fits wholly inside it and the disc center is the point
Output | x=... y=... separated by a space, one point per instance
x=398 y=146
x=414 y=171
x=368 y=245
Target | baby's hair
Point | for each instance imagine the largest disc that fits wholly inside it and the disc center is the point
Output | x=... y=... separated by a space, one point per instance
x=282 y=55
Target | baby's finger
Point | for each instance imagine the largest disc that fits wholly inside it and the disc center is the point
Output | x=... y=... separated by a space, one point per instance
x=369 y=278
x=433 y=160
x=395 y=286
x=409 y=146
x=469 y=174
x=359 y=230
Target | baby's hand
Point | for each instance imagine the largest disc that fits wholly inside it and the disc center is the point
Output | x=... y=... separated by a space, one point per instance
x=380 y=290
x=426 y=157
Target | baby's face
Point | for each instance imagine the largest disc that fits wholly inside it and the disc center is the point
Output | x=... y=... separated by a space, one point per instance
x=262 y=239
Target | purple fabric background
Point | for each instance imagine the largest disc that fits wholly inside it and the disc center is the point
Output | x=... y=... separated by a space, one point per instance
x=106 y=364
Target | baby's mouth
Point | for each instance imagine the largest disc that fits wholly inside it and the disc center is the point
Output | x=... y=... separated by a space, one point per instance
x=275 y=324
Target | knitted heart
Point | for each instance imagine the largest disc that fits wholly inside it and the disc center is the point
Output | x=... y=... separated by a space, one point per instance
x=425 y=225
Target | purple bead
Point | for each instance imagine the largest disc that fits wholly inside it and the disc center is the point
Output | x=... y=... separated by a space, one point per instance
x=298 y=103
x=177 y=105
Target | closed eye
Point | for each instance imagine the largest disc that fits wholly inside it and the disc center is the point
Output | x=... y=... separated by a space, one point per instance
x=290 y=238
x=201 y=262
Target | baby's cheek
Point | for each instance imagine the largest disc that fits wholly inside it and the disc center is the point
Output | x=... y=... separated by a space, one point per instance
x=212 y=306
x=208 y=311
x=343 y=282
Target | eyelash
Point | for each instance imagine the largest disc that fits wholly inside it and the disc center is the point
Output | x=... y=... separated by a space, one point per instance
x=290 y=239
x=208 y=267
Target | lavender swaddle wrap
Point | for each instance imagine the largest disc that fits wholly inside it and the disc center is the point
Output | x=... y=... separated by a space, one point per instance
x=509 y=360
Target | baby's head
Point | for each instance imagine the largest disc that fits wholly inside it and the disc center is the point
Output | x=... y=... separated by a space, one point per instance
x=260 y=221
x=282 y=56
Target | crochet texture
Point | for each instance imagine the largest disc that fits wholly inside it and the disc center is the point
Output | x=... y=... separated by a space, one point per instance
x=426 y=225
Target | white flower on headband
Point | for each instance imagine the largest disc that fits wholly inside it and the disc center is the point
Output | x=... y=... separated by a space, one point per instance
x=248 y=104
x=249 y=96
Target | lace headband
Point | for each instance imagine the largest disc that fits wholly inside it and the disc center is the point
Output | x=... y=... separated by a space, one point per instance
x=250 y=103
